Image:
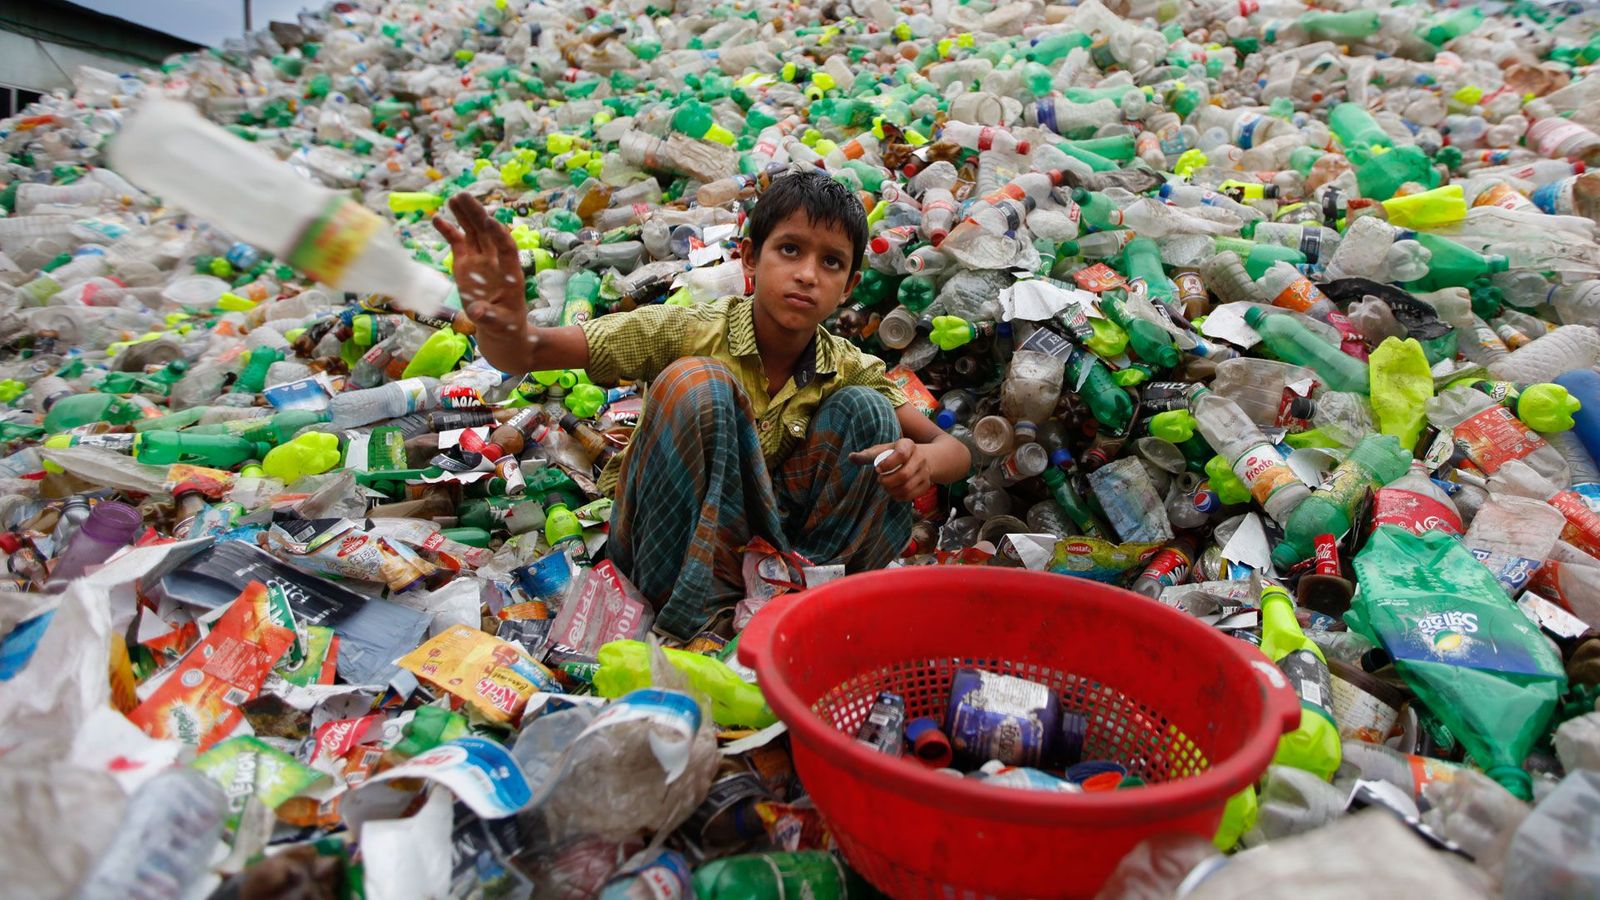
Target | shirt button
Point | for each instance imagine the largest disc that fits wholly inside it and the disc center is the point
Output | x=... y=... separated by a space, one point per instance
x=796 y=429
x=766 y=425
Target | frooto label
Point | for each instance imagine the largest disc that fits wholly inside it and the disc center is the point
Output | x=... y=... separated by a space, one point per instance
x=1263 y=469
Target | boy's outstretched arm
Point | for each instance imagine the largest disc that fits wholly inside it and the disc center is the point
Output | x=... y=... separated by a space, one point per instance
x=489 y=278
x=925 y=456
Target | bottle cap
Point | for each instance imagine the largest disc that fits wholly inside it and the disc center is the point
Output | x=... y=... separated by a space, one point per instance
x=929 y=744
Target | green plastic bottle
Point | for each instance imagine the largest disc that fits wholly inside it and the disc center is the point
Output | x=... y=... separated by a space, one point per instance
x=1141 y=260
x=1149 y=341
x=274 y=429
x=562 y=528
x=311 y=453
x=1380 y=175
x=254 y=376
x=916 y=293
x=1111 y=405
x=1258 y=257
x=762 y=876
x=1314 y=745
x=1357 y=129
x=1120 y=148
x=1451 y=25
x=582 y=290
x=1375 y=461
x=1093 y=160
x=1054 y=47
x=1453 y=264
x=439 y=354
x=219 y=451
x=1071 y=503
x=1352 y=25
x=84 y=409
x=1292 y=342
x=1097 y=209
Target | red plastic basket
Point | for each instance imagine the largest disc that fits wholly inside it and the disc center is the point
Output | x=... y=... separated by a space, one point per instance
x=1197 y=715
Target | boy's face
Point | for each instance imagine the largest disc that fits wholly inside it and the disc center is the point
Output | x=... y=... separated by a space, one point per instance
x=801 y=274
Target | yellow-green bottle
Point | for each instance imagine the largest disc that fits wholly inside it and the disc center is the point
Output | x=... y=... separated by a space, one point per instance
x=1314 y=745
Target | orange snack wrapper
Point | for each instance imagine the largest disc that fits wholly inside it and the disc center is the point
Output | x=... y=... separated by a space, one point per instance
x=199 y=702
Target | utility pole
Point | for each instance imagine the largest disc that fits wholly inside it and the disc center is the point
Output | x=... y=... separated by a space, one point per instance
x=246 y=16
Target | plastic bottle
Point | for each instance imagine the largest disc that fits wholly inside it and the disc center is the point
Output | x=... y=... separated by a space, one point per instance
x=1584 y=385
x=1376 y=461
x=397 y=398
x=814 y=872
x=1293 y=343
x=109 y=527
x=1513 y=536
x=222 y=451
x=167 y=149
x=1314 y=744
x=1414 y=502
x=1568 y=348
x=1253 y=458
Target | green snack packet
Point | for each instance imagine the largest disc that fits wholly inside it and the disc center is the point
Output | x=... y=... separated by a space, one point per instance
x=247 y=766
x=1459 y=642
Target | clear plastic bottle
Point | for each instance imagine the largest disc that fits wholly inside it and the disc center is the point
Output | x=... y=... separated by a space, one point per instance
x=1294 y=801
x=1415 y=503
x=1512 y=536
x=1257 y=385
x=352 y=409
x=168 y=149
x=1256 y=460
x=1567 y=348
x=1032 y=386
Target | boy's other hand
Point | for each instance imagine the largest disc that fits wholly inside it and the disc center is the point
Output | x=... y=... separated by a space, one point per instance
x=903 y=472
x=488 y=272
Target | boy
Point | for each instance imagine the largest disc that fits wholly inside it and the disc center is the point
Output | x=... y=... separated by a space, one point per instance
x=758 y=422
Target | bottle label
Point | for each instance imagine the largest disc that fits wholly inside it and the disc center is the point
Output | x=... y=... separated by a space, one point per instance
x=1245 y=130
x=1263 y=469
x=1169 y=567
x=1555 y=198
x=332 y=240
x=1513 y=572
x=1361 y=716
x=1045 y=113
x=1583 y=524
x=1416 y=513
x=1504 y=196
x=1299 y=296
x=1495 y=437
x=1552 y=134
x=1311 y=244
x=415 y=391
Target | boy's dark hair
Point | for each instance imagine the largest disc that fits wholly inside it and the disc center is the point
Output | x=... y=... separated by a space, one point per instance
x=824 y=201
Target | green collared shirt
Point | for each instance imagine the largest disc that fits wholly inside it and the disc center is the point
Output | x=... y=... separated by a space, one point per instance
x=637 y=345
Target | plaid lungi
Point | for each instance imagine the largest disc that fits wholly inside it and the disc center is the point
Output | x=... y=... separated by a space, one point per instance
x=695 y=489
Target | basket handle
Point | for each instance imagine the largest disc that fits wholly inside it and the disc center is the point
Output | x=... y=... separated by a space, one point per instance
x=755 y=641
x=1282 y=703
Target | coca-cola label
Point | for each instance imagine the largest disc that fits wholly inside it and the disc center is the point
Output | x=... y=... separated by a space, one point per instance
x=1414 y=512
x=1583 y=524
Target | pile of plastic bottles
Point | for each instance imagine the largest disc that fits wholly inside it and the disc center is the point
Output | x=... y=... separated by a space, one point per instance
x=1281 y=315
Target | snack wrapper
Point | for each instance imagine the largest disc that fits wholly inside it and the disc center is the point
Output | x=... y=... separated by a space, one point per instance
x=246 y=766
x=342 y=548
x=199 y=702
x=496 y=677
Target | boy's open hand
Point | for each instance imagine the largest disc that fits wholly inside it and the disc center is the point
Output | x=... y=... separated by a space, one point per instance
x=903 y=473
x=488 y=272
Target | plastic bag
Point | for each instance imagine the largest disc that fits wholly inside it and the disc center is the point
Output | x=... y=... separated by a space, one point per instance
x=1460 y=644
x=1401 y=384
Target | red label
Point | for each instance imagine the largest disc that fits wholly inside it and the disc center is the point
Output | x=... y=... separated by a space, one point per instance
x=1583 y=524
x=1327 y=554
x=335 y=739
x=1098 y=278
x=1495 y=437
x=916 y=392
x=1415 y=513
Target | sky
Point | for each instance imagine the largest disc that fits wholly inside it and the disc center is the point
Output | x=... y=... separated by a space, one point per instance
x=203 y=21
